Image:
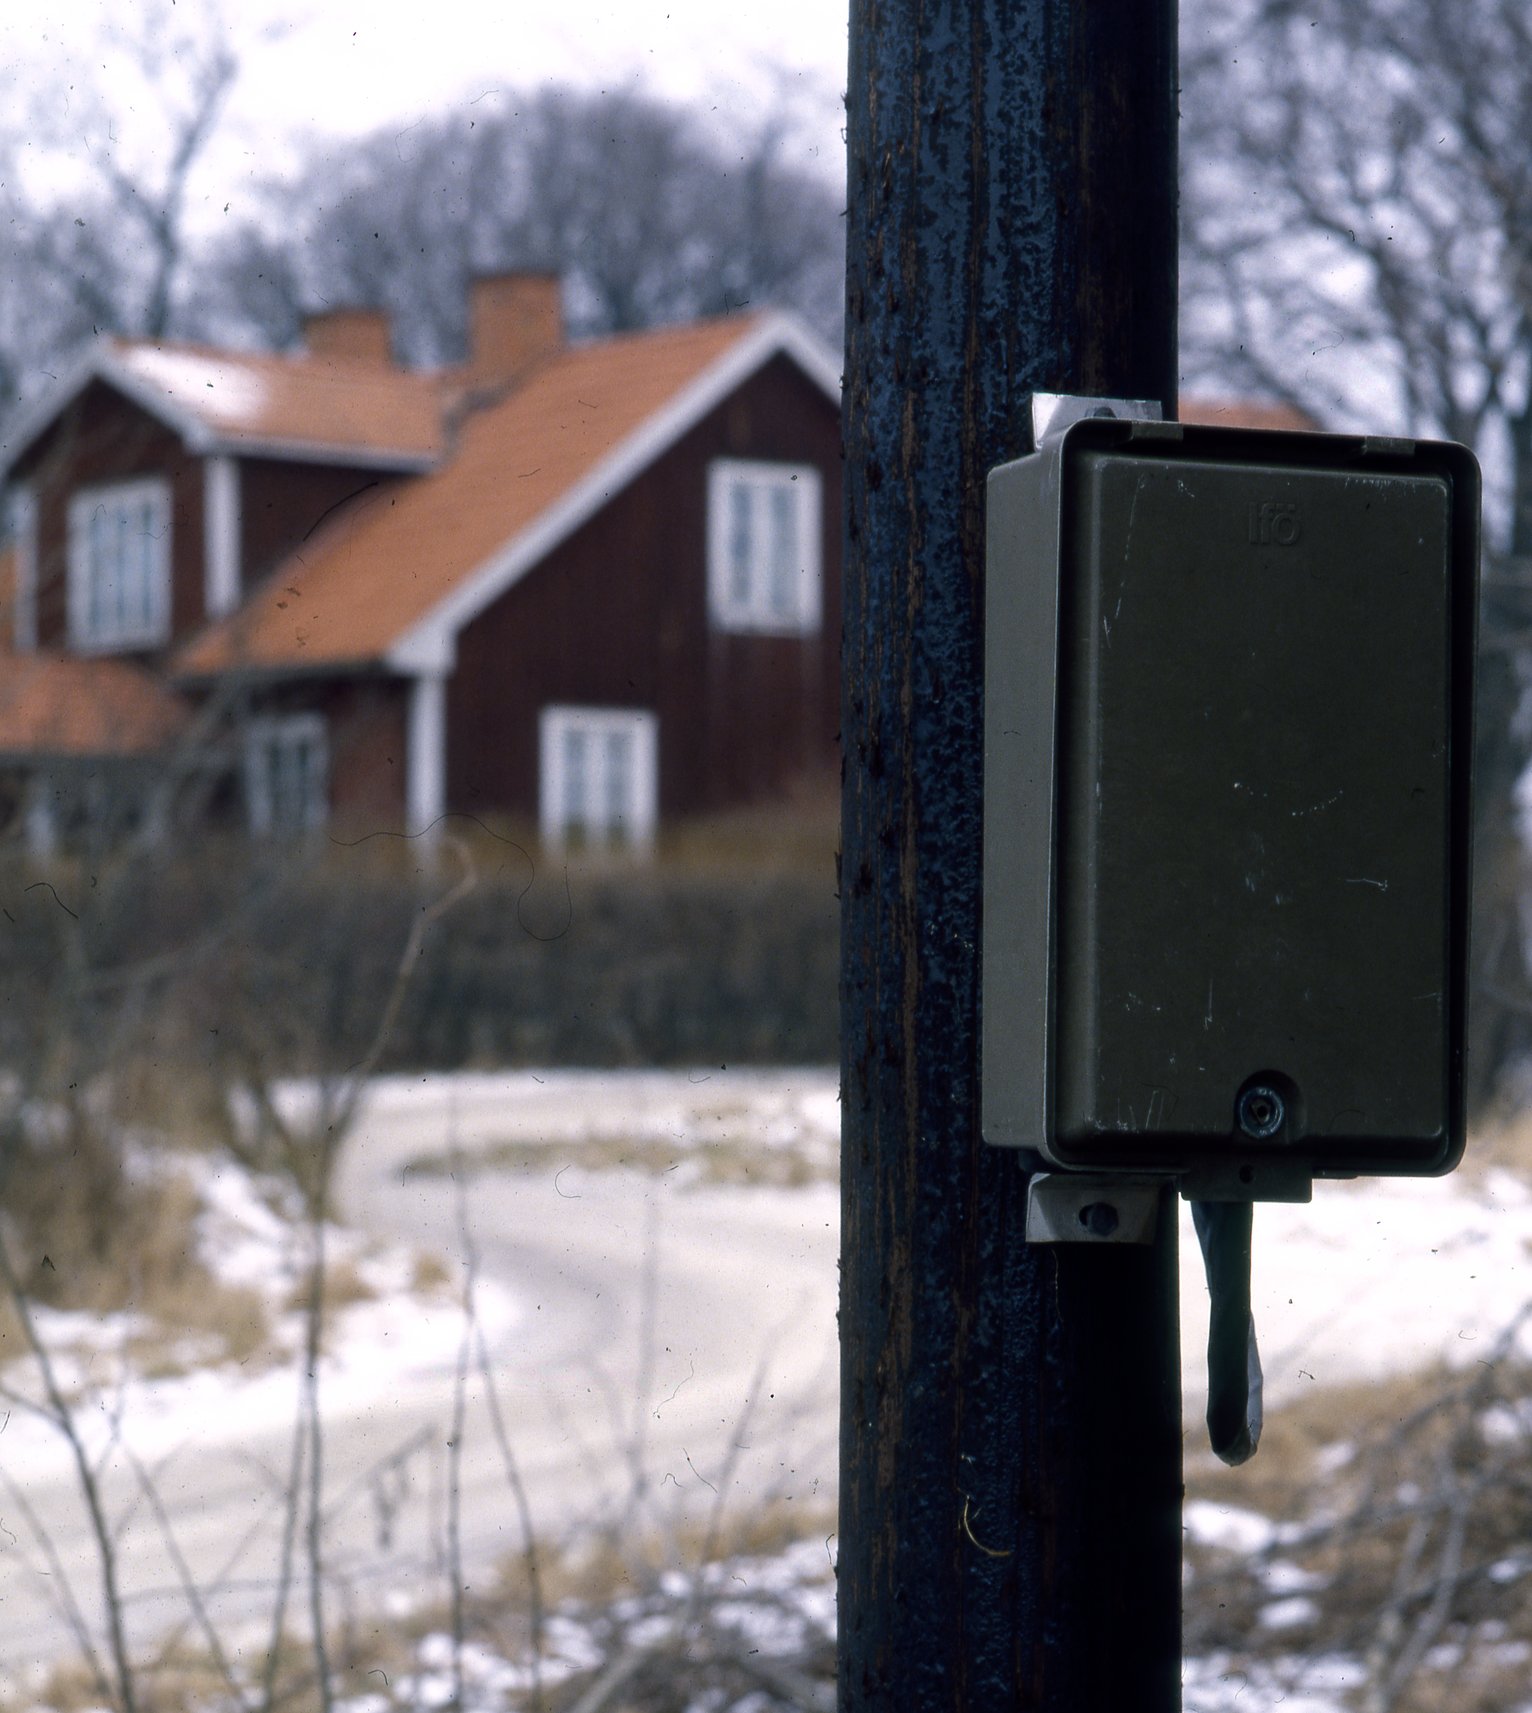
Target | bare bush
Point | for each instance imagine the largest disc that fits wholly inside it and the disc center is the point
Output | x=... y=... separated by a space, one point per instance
x=1402 y=1549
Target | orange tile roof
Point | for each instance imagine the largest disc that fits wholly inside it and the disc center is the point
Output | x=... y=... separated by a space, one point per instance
x=53 y=706
x=1245 y=413
x=316 y=403
x=359 y=586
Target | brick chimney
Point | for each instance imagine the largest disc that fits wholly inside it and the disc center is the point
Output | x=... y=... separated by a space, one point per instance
x=360 y=334
x=514 y=320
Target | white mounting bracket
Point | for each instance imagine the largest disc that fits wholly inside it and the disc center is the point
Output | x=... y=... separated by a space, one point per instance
x=1052 y=413
x=1080 y=1207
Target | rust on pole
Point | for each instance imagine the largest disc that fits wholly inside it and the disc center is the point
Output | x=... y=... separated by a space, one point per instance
x=1010 y=1476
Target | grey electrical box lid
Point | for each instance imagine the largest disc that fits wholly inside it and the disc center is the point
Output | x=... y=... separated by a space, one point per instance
x=1228 y=731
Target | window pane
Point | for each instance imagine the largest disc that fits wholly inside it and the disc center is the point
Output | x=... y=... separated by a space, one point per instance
x=276 y=771
x=781 y=599
x=119 y=568
x=122 y=573
x=292 y=783
x=98 y=556
x=598 y=776
x=619 y=776
x=311 y=772
x=100 y=560
x=573 y=811
x=135 y=561
x=740 y=541
x=148 y=553
x=114 y=572
x=91 y=559
x=286 y=767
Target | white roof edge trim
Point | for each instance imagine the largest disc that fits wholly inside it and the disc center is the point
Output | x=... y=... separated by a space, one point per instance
x=424 y=653
x=192 y=429
x=430 y=645
x=809 y=352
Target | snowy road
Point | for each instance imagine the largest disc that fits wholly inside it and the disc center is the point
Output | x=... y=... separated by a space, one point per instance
x=670 y=1350
x=671 y=1334
x=653 y=1338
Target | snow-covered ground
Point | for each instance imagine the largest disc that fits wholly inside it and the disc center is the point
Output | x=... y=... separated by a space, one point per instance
x=1370 y=1277
x=711 y=1193
x=1376 y=1277
x=650 y=1334
x=397 y=1333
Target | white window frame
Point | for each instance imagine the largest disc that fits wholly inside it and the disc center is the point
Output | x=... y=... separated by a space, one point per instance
x=747 y=591
x=631 y=824
x=94 y=628
x=265 y=737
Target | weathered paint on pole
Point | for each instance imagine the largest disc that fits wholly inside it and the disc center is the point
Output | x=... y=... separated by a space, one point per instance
x=1011 y=1477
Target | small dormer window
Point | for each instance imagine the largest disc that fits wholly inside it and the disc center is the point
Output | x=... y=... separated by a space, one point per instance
x=764 y=547
x=119 y=566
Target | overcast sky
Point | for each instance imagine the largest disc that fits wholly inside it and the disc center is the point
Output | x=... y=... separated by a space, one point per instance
x=322 y=65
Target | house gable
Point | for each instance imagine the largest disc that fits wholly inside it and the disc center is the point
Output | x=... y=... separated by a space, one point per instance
x=247 y=513
x=103 y=443
x=616 y=617
x=429 y=645
x=325 y=409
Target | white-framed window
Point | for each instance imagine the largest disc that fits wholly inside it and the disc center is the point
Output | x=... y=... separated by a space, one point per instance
x=764 y=571
x=598 y=776
x=119 y=565
x=287 y=774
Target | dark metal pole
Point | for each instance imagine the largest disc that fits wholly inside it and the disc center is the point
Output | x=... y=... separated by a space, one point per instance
x=1011 y=1477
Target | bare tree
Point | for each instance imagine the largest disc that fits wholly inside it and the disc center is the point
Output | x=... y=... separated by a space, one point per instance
x=99 y=240
x=648 y=212
x=1358 y=241
x=651 y=212
x=190 y=65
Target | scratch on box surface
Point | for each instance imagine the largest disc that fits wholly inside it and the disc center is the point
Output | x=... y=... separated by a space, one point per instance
x=1314 y=808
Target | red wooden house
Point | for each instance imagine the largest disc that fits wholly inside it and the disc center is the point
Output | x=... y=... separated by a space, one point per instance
x=596 y=584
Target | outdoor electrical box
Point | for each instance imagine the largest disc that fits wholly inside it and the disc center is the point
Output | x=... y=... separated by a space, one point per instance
x=1228 y=737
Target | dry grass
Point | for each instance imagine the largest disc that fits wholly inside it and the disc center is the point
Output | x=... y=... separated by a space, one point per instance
x=182 y=1679
x=619 y=1598
x=1301 y=1444
x=206 y=1321
x=599 y=1568
x=85 y=1233
x=177 y=1092
x=69 y=1687
x=344 y=1286
x=732 y=1163
x=1404 y=1512
x=1504 y=1143
x=651 y=1596
x=799 y=831
x=430 y=1274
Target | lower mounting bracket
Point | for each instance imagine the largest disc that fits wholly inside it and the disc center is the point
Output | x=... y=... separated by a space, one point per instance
x=1082 y=1207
